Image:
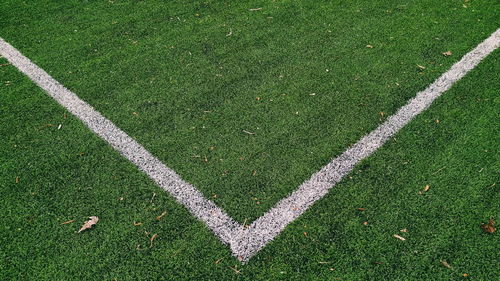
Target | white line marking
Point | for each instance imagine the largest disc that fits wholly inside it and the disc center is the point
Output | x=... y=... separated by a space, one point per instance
x=185 y=193
x=269 y=225
x=246 y=242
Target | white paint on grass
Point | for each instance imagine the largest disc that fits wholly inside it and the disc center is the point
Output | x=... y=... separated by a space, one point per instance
x=185 y=193
x=246 y=242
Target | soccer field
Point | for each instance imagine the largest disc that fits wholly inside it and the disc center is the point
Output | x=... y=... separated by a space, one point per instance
x=251 y=140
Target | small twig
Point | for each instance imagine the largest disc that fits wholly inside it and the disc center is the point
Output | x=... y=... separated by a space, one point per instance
x=446 y=264
x=255 y=9
x=235 y=270
x=66 y=222
x=152 y=198
x=399 y=237
x=250 y=133
x=151 y=239
x=161 y=216
x=439 y=170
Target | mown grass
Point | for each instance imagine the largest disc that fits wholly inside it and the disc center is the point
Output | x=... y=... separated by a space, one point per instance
x=171 y=77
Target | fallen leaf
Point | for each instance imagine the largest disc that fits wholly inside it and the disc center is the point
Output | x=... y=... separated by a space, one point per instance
x=445 y=264
x=489 y=227
x=254 y=173
x=66 y=222
x=17 y=179
x=426 y=188
x=421 y=66
x=365 y=223
x=465 y=275
x=404 y=230
x=361 y=209
x=369 y=46
x=137 y=223
x=448 y=53
x=88 y=224
x=161 y=216
x=399 y=237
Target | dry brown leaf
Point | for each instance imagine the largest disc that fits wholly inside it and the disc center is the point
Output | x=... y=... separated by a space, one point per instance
x=448 y=53
x=426 y=188
x=404 y=230
x=445 y=264
x=365 y=223
x=161 y=216
x=17 y=179
x=399 y=237
x=465 y=275
x=137 y=223
x=489 y=227
x=361 y=209
x=88 y=224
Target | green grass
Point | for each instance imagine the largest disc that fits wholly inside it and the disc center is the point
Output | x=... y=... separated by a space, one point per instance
x=169 y=75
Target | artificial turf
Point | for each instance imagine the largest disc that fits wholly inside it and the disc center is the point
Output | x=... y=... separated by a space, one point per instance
x=186 y=78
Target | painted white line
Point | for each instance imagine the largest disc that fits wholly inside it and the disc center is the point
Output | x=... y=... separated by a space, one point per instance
x=265 y=228
x=215 y=218
x=246 y=242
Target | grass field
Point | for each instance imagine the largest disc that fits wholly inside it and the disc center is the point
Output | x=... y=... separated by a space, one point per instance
x=189 y=79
